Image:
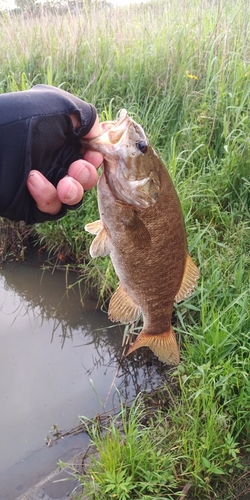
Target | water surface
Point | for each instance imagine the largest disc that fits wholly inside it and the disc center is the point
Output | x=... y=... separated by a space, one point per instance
x=59 y=358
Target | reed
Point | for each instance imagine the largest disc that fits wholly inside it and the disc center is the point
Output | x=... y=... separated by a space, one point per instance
x=181 y=68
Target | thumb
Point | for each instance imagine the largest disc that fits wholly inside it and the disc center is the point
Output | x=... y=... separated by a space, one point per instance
x=44 y=193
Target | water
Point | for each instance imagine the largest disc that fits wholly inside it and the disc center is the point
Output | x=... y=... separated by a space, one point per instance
x=59 y=359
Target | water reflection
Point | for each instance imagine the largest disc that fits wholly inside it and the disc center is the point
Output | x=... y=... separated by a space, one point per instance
x=46 y=298
x=50 y=348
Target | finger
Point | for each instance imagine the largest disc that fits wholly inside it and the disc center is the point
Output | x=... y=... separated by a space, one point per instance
x=95 y=131
x=69 y=191
x=83 y=172
x=75 y=120
x=44 y=193
x=93 y=157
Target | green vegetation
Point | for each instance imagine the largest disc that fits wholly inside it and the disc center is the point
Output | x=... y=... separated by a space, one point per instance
x=182 y=70
x=163 y=446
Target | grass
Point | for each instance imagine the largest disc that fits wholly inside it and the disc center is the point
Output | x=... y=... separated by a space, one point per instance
x=14 y=240
x=182 y=70
x=157 y=449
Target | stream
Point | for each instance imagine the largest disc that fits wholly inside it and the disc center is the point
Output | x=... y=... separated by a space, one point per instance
x=59 y=359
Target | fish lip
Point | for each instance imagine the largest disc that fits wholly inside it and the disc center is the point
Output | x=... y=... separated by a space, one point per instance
x=125 y=183
x=109 y=140
x=121 y=116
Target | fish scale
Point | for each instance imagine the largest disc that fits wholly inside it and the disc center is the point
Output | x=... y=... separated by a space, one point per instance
x=142 y=228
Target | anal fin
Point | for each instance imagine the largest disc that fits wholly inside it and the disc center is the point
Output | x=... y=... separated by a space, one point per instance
x=189 y=280
x=122 y=307
x=163 y=345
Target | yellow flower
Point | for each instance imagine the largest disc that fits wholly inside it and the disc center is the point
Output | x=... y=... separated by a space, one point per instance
x=193 y=77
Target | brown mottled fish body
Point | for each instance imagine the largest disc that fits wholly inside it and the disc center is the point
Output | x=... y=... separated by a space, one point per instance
x=142 y=229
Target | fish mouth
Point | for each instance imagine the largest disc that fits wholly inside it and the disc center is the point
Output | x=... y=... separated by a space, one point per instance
x=112 y=134
x=122 y=115
x=124 y=147
x=116 y=132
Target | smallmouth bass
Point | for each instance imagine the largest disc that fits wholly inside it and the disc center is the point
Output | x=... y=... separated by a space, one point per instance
x=141 y=227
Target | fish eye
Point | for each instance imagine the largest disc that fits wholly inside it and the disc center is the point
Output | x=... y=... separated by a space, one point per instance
x=142 y=146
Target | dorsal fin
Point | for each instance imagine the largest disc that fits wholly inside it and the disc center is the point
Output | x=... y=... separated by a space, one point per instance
x=163 y=345
x=189 y=280
x=122 y=307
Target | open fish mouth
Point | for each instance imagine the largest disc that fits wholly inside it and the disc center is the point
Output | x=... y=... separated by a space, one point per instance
x=119 y=132
x=122 y=115
x=127 y=160
x=112 y=131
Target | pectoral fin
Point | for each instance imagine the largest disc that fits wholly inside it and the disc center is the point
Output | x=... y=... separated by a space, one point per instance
x=101 y=245
x=164 y=346
x=138 y=231
x=94 y=227
x=189 y=280
x=122 y=307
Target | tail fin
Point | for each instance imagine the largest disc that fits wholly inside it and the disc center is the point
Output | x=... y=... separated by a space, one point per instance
x=163 y=345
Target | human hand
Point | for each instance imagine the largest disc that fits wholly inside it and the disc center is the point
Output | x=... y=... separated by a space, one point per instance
x=82 y=175
x=44 y=171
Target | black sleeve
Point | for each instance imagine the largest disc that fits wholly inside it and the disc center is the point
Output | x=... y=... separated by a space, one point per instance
x=36 y=132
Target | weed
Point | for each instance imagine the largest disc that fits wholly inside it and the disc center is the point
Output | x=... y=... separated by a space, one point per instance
x=182 y=70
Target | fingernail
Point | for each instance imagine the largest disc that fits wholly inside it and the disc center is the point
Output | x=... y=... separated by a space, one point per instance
x=85 y=173
x=72 y=192
x=36 y=179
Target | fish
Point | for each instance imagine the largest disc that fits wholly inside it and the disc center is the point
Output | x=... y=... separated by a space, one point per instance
x=142 y=228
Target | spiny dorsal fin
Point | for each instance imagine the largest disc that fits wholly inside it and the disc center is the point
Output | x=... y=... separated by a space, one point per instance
x=122 y=307
x=163 y=345
x=189 y=280
x=94 y=227
x=101 y=245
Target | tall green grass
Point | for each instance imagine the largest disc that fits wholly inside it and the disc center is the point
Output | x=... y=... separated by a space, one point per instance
x=182 y=69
